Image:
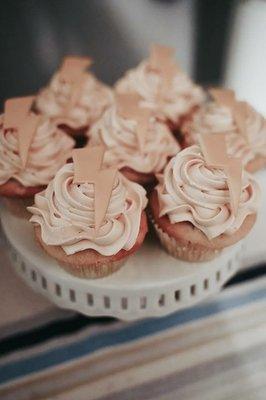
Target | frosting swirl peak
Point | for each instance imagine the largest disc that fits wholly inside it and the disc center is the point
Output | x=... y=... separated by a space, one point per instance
x=118 y=135
x=94 y=98
x=215 y=118
x=48 y=151
x=170 y=104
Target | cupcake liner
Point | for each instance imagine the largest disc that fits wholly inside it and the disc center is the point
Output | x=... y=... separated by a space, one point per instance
x=18 y=207
x=93 y=271
x=89 y=263
x=189 y=252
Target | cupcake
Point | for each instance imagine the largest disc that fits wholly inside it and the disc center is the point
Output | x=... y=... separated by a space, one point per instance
x=163 y=87
x=90 y=219
x=204 y=201
x=244 y=127
x=74 y=99
x=32 y=149
x=136 y=142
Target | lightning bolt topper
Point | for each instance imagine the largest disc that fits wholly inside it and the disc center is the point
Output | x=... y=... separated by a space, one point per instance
x=160 y=55
x=162 y=59
x=73 y=71
x=128 y=107
x=214 y=150
x=224 y=97
x=17 y=116
x=239 y=109
x=244 y=111
x=88 y=169
x=72 y=66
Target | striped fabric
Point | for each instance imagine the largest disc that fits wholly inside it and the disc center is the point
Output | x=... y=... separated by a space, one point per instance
x=214 y=351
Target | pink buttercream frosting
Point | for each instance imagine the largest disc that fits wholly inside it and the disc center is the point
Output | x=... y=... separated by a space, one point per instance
x=118 y=135
x=215 y=118
x=179 y=99
x=65 y=212
x=189 y=190
x=94 y=98
x=48 y=151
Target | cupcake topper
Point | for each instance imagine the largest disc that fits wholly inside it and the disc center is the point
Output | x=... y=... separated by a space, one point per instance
x=17 y=116
x=73 y=66
x=73 y=72
x=244 y=111
x=162 y=59
x=224 y=97
x=127 y=104
x=15 y=111
x=128 y=107
x=160 y=55
x=239 y=109
x=214 y=150
x=88 y=169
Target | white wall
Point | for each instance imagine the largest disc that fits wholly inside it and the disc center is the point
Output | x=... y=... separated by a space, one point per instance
x=246 y=63
x=145 y=21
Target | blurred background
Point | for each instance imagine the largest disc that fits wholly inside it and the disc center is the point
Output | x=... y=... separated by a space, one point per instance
x=215 y=350
x=216 y=41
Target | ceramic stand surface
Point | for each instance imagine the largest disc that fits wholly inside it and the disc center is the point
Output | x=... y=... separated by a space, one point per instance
x=152 y=283
x=255 y=244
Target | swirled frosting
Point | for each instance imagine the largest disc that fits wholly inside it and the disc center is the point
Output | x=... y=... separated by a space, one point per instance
x=177 y=101
x=94 y=98
x=191 y=191
x=65 y=212
x=215 y=118
x=48 y=151
x=119 y=137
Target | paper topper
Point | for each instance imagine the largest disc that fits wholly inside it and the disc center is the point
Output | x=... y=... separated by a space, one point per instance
x=73 y=72
x=127 y=103
x=128 y=107
x=72 y=66
x=240 y=112
x=243 y=112
x=239 y=109
x=88 y=169
x=225 y=97
x=17 y=116
x=15 y=109
x=160 y=55
x=214 y=149
x=162 y=59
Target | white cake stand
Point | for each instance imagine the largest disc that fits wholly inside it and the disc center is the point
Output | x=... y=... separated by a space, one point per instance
x=254 y=251
x=151 y=284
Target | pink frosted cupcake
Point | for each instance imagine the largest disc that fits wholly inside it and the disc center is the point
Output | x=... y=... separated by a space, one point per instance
x=245 y=137
x=74 y=99
x=162 y=86
x=32 y=149
x=204 y=202
x=136 y=142
x=89 y=219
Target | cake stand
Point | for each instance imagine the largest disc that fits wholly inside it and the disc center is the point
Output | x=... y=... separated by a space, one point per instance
x=254 y=251
x=151 y=284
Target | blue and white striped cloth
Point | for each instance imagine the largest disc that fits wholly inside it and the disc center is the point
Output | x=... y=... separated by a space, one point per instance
x=214 y=351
